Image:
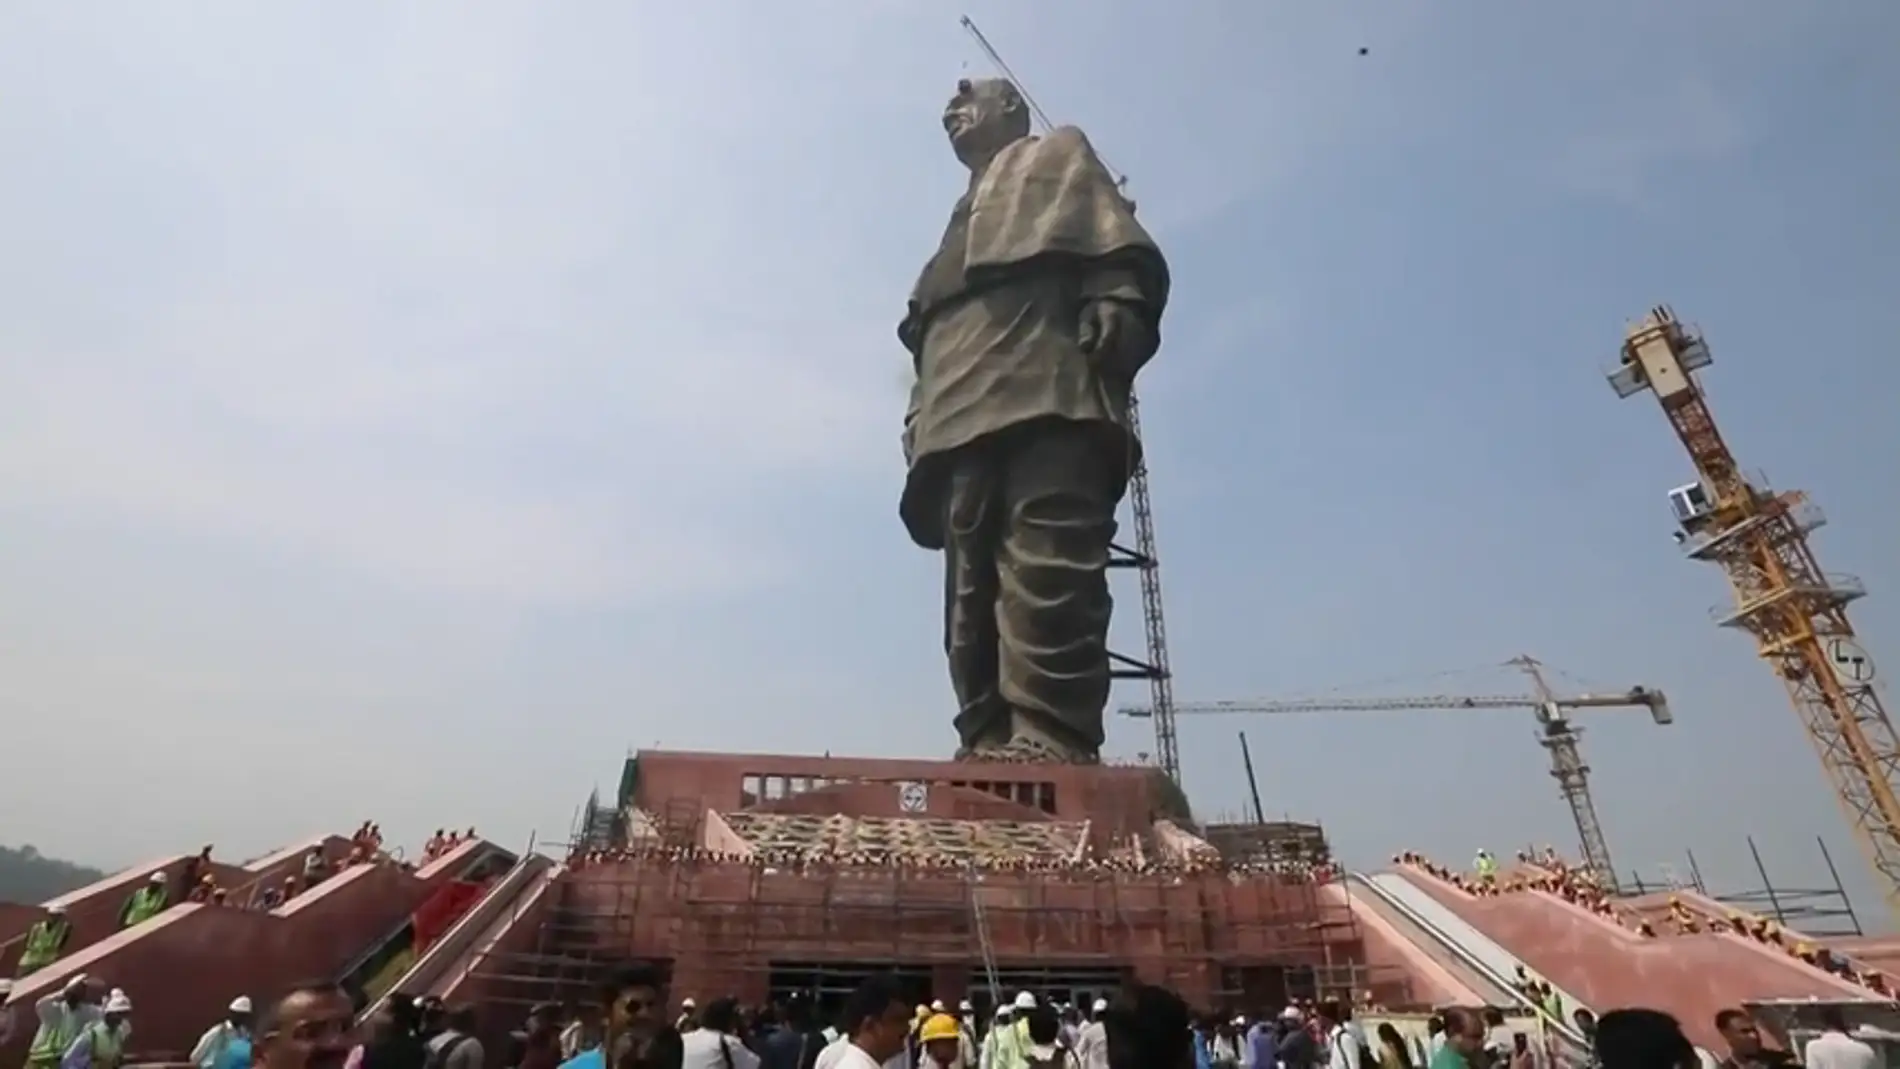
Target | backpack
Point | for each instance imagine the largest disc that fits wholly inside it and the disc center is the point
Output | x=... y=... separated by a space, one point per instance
x=439 y=1057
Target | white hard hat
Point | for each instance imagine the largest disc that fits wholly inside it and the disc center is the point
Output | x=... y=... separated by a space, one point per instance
x=1025 y=1001
x=1101 y=1006
x=1002 y=1011
x=158 y=877
x=964 y=1006
x=1291 y=1013
x=241 y=1004
x=57 y=909
x=687 y=1003
x=118 y=1003
x=936 y=1005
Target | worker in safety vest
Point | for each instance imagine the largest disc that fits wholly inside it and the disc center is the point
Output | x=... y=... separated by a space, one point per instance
x=145 y=903
x=1487 y=866
x=1012 y=1040
x=62 y=1016
x=46 y=940
x=101 y=1043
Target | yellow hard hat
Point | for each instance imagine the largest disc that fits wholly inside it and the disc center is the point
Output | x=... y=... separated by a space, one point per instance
x=941 y=1026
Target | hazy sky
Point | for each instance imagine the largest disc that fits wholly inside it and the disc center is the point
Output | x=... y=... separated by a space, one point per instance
x=405 y=409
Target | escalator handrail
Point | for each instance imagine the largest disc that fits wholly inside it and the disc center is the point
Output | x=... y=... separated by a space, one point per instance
x=1567 y=1031
x=475 y=919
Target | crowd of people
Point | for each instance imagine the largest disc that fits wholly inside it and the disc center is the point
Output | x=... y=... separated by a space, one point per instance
x=1547 y=872
x=1550 y=873
x=313 y=1026
x=84 y=1025
x=1075 y=860
x=443 y=842
x=1142 y=1027
x=1687 y=920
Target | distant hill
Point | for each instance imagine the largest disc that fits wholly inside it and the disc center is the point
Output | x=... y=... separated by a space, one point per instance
x=26 y=875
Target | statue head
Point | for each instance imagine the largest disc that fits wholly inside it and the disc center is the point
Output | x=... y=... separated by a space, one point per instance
x=986 y=115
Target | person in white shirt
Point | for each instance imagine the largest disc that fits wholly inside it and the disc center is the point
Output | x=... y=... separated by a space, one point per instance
x=1834 y=1048
x=1342 y=1047
x=715 y=1043
x=1091 y=1046
x=875 y=1029
x=236 y=1025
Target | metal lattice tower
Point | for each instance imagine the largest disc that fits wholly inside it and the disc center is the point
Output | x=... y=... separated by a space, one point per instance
x=1142 y=559
x=1796 y=613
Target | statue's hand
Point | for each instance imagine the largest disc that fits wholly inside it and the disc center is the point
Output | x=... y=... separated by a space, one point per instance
x=1116 y=337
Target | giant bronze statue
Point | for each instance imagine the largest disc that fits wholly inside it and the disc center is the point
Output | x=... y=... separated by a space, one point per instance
x=1026 y=330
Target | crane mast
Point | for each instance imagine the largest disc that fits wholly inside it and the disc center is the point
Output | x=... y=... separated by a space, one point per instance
x=1572 y=775
x=1555 y=733
x=1143 y=558
x=1796 y=613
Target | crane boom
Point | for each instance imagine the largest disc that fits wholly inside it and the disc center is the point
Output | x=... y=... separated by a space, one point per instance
x=1638 y=696
x=1556 y=734
x=1796 y=612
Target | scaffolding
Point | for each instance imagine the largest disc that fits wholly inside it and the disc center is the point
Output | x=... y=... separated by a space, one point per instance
x=728 y=927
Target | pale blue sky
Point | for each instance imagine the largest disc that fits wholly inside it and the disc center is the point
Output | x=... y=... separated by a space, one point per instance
x=405 y=408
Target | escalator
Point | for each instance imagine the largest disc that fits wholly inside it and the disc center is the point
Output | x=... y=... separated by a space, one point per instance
x=447 y=966
x=387 y=959
x=1462 y=982
x=1471 y=959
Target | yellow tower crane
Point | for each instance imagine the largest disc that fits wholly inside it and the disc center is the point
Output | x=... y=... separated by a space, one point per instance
x=1555 y=732
x=1796 y=613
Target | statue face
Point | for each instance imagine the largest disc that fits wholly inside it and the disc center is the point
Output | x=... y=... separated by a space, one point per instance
x=984 y=116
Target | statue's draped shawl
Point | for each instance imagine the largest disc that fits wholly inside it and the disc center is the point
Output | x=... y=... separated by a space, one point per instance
x=1051 y=196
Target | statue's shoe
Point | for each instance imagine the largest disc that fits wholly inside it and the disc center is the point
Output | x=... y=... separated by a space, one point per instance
x=991 y=754
x=1029 y=750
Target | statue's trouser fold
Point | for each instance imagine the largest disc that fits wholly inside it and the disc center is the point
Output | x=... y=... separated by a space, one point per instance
x=1029 y=515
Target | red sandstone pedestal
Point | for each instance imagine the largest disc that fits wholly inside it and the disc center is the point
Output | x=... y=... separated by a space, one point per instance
x=1074 y=876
